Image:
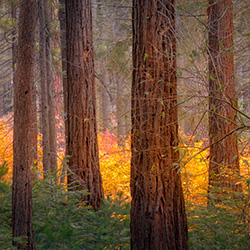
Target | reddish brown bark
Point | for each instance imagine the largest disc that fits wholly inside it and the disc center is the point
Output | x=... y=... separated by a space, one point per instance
x=158 y=219
x=81 y=143
x=24 y=123
x=222 y=97
x=50 y=92
x=62 y=18
x=44 y=92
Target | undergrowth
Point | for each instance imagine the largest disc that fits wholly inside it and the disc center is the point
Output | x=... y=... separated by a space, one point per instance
x=60 y=222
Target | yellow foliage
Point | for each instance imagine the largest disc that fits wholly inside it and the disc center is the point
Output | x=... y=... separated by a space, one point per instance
x=114 y=164
x=194 y=171
x=6 y=148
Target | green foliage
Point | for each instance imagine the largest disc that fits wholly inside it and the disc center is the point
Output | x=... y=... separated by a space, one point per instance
x=221 y=224
x=109 y=227
x=5 y=210
x=61 y=223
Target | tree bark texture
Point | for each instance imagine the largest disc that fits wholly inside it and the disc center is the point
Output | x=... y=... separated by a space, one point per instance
x=120 y=112
x=50 y=93
x=105 y=106
x=81 y=143
x=62 y=18
x=14 y=52
x=158 y=218
x=222 y=97
x=44 y=92
x=24 y=118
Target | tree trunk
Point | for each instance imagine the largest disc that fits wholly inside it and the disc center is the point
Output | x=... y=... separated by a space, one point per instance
x=14 y=53
x=158 y=218
x=51 y=93
x=62 y=18
x=24 y=118
x=222 y=97
x=81 y=143
x=120 y=111
x=44 y=91
x=105 y=105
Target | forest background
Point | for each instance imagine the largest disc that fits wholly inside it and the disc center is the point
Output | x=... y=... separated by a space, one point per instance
x=223 y=226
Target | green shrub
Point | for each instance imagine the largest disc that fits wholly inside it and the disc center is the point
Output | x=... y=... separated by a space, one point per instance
x=221 y=225
x=5 y=210
x=61 y=223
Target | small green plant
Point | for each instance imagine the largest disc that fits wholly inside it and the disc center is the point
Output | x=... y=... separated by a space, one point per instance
x=5 y=210
x=61 y=222
x=223 y=224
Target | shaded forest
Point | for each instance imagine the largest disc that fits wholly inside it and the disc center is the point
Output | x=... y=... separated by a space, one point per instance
x=124 y=124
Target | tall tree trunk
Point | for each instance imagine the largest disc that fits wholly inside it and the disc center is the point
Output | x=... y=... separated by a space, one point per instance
x=81 y=108
x=222 y=97
x=24 y=118
x=158 y=218
x=62 y=18
x=44 y=92
x=14 y=51
x=105 y=105
x=51 y=93
x=128 y=114
x=120 y=112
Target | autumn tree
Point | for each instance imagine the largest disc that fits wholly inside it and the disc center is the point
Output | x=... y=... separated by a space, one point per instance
x=81 y=145
x=24 y=127
x=222 y=97
x=158 y=219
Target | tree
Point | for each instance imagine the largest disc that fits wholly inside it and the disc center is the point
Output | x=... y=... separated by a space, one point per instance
x=7 y=43
x=62 y=19
x=44 y=92
x=222 y=97
x=24 y=125
x=158 y=219
x=113 y=67
x=81 y=145
x=50 y=91
x=48 y=126
x=13 y=47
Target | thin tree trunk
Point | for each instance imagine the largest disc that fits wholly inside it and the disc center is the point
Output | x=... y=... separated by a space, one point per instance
x=82 y=146
x=51 y=94
x=224 y=155
x=24 y=123
x=158 y=218
x=105 y=105
x=14 y=51
x=44 y=92
x=120 y=112
x=62 y=18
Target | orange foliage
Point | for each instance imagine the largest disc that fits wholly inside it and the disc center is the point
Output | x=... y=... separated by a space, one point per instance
x=115 y=162
x=194 y=171
x=6 y=149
